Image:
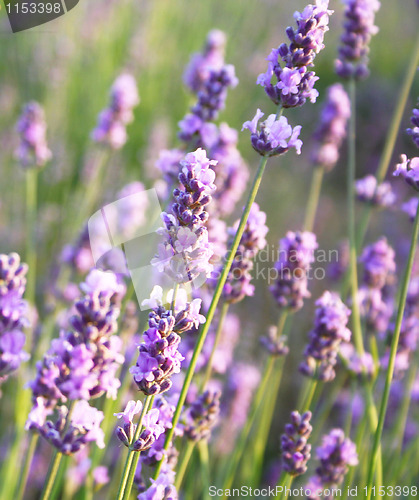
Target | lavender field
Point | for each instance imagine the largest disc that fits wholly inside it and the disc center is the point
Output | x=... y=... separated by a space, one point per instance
x=209 y=277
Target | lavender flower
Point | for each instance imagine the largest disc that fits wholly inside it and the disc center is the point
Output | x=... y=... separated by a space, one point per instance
x=33 y=149
x=151 y=432
x=82 y=363
x=253 y=240
x=358 y=365
x=358 y=30
x=275 y=137
x=296 y=253
x=324 y=340
x=212 y=58
x=159 y=357
x=202 y=416
x=376 y=295
x=274 y=345
x=294 y=82
x=112 y=122
x=368 y=190
x=83 y=427
x=411 y=207
x=331 y=130
x=414 y=131
x=335 y=454
x=186 y=252
x=13 y=314
x=294 y=445
x=162 y=488
x=409 y=170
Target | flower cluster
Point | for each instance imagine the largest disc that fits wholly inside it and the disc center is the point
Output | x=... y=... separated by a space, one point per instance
x=112 y=122
x=13 y=314
x=186 y=251
x=294 y=83
x=274 y=345
x=73 y=430
x=324 y=340
x=201 y=64
x=275 y=136
x=375 y=295
x=296 y=254
x=159 y=357
x=368 y=190
x=358 y=30
x=294 y=446
x=82 y=362
x=162 y=488
x=409 y=170
x=335 y=454
x=202 y=416
x=150 y=421
x=253 y=240
x=331 y=130
x=414 y=131
x=33 y=149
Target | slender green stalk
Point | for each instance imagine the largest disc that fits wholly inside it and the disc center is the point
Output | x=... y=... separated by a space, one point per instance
x=214 y=303
x=183 y=465
x=205 y=467
x=285 y=482
x=234 y=459
x=31 y=211
x=132 y=456
x=33 y=441
x=310 y=395
x=208 y=371
x=393 y=352
x=175 y=291
x=313 y=197
x=400 y=426
x=52 y=474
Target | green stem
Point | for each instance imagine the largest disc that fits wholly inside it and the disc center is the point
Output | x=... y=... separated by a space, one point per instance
x=241 y=443
x=204 y=458
x=208 y=371
x=52 y=474
x=393 y=352
x=31 y=210
x=313 y=197
x=33 y=441
x=310 y=395
x=133 y=456
x=175 y=291
x=183 y=465
x=214 y=303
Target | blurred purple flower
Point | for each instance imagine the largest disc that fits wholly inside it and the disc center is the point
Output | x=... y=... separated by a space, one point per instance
x=409 y=170
x=368 y=190
x=414 y=131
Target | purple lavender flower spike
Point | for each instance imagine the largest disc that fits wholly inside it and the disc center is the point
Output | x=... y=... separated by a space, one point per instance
x=360 y=366
x=33 y=148
x=151 y=432
x=411 y=207
x=159 y=357
x=202 y=416
x=83 y=428
x=294 y=446
x=201 y=64
x=414 y=131
x=359 y=27
x=186 y=252
x=162 y=488
x=83 y=362
x=238 y=284
x=275 y=137
x=379 y=264
x=376 y=294
x=368 y=190
x=13 y=314
x=409 y=170
x=324 y=340
x=275 y=346
x=296 y=254
x=331 y=130
x=335 y=454
x=294 y=82
x=112 y=122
